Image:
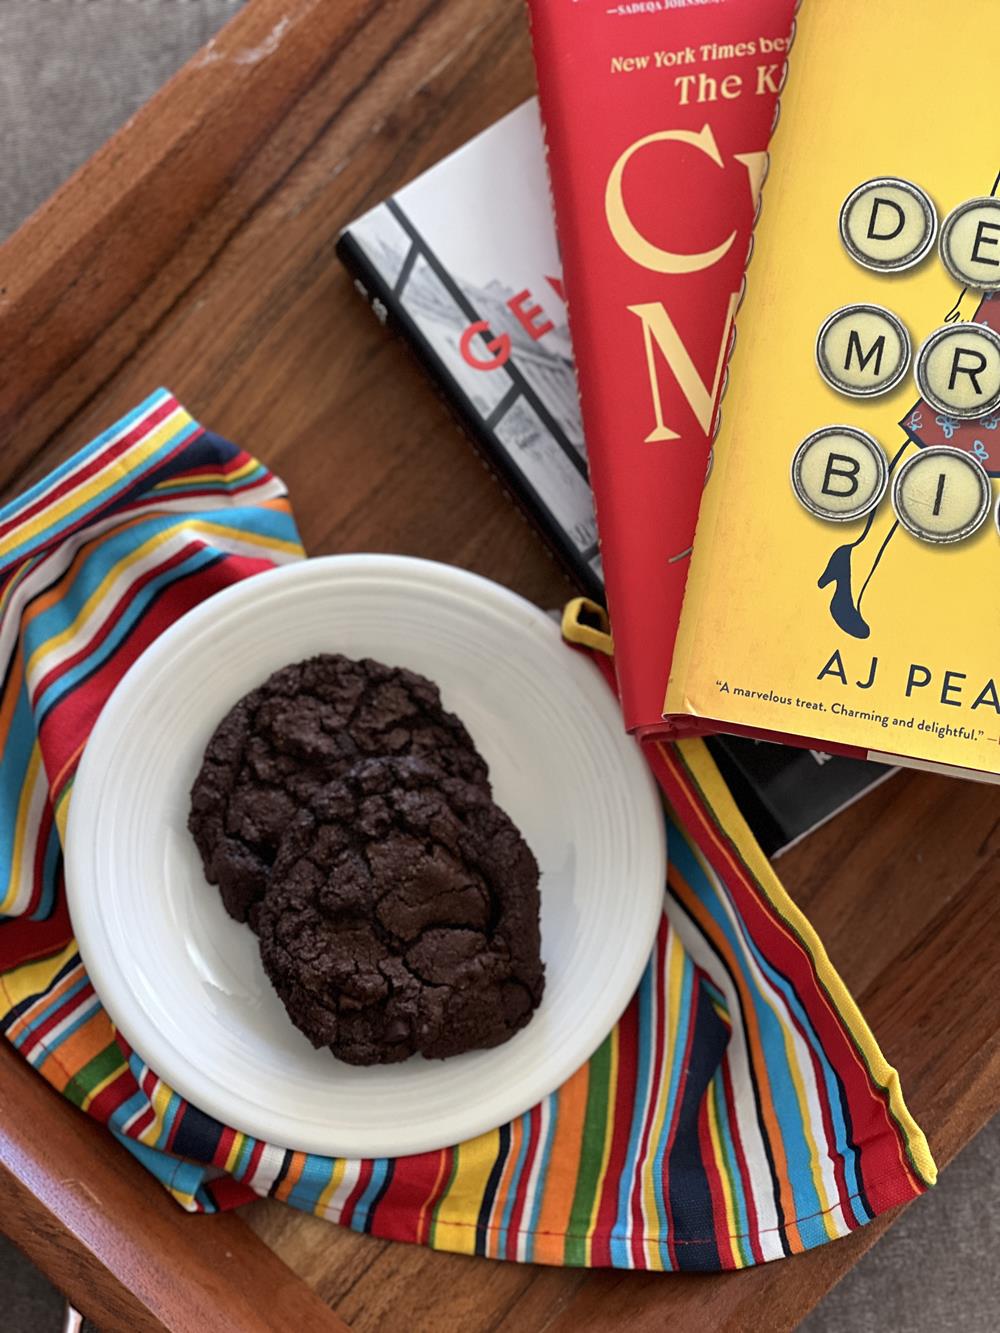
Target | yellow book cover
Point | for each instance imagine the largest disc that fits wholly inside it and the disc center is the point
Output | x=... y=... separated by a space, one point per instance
x=845 y=579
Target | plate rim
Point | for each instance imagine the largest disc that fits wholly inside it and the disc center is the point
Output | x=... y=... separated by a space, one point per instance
x=111 y=981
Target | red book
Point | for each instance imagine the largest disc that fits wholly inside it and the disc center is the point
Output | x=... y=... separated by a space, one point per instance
x=657 y=119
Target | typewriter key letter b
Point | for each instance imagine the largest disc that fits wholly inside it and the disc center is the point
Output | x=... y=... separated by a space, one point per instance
x=839 y=473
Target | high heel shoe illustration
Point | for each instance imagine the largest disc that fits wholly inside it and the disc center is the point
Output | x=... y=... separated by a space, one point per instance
x=842 y=605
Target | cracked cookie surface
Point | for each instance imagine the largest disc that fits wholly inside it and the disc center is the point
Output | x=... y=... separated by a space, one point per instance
x=402 y=916
x=306 y=725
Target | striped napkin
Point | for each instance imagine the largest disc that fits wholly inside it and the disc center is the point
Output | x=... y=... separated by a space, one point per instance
x=740 y=1111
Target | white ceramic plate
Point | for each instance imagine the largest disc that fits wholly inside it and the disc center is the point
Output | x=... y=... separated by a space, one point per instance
x=184 y=983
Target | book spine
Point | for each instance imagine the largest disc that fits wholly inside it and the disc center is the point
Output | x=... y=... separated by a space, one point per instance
x=603 y=599
x=385 y=306
x=546 y=111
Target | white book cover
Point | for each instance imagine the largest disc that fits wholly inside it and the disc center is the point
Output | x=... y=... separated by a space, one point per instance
x=469 y=252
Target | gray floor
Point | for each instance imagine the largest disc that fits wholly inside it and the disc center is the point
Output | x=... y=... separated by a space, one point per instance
x=72 y=71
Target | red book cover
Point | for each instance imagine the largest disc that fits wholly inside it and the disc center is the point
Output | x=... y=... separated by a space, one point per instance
x=657 y=119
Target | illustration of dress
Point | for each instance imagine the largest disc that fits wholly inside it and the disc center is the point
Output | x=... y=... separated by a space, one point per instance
x=923 y=427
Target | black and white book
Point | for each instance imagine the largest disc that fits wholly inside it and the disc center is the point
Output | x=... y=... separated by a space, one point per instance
x=463 y=264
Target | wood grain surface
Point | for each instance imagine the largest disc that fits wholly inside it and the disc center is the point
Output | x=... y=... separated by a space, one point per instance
x=82 y=1208
x=196 y=250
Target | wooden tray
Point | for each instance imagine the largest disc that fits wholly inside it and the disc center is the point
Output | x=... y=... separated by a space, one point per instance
x=196 y=250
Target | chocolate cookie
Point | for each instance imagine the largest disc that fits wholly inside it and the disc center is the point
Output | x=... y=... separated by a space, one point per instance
x=401 y=916
x=306 y=725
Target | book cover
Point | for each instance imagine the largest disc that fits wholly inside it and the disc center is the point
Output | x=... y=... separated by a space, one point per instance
x=843 y=588
x=657 y=119
x=456 y=278
x=476 y=291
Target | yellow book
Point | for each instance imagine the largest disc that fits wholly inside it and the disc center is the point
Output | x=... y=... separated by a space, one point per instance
x=845 y=583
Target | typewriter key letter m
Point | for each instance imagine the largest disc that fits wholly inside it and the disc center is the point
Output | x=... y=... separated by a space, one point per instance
x=658 y=329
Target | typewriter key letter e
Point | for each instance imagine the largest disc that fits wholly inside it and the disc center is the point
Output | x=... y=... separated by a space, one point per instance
x=970 y=243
